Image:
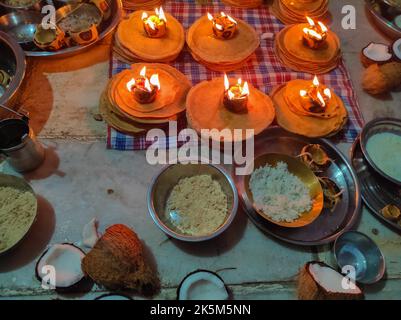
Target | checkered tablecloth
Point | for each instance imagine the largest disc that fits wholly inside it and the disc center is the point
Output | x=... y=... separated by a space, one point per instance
x=264 y=70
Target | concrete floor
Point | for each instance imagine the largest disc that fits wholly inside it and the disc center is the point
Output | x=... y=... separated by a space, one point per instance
x=72 y=185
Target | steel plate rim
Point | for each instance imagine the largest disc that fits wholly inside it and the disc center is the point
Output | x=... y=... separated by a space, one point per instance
x=324 y=241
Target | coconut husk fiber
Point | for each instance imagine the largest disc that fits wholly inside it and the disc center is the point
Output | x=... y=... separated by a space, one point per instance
x=132 y=5
x=218 y=54
x=292 y=52
x=247 y=4
x=132 y=43
x=170 y=100
x=306 y=125
x=295 y=11
x=205 y=109
x=118 y=262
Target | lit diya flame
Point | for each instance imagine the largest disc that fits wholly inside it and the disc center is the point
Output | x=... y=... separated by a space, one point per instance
x=320 y=97
x=144 y=89
x=236 y=96
x=155 y=25
x=224 y=26
x=314 y=35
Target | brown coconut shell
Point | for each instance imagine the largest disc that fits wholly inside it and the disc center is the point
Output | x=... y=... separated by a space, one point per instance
x=117 y=262
x=310 y=289
x=374 y=81
x=392 y=72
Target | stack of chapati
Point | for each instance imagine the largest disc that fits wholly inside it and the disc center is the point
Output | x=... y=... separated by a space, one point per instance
x=294 y=11
x=244 y=3
x=205 y=110
x=132 y=44
x=121 y=111
x=293 y=53
x=222 y=54
x=294 y=115
x=132 y=5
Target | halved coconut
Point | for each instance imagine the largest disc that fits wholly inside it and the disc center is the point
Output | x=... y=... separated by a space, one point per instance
x=113 y=296
x=396 y=48
x=318 y=281
x=65 y=259
x=203 y=285
x=376 y=53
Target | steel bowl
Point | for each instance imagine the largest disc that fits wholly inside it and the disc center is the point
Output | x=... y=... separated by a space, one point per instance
x=383 y=17
x=20 y=184
x=169 y=176
x=105 y=28
x=12 y=60
x=357 y=251
x=21 y=25
x=35 y=6
x=379 y=126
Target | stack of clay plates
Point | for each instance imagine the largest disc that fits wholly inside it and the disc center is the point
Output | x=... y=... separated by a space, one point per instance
x=122 y=112
x=294 y=11
x=205 y=110
x=218 y=54
x=244 y=3
x=294 y=115
x=294 y=54
x=133 y=5
x=131 y=44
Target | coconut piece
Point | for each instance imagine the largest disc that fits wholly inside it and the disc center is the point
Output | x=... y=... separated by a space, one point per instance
x=202 y=285
x=396 y=48
x=318 y=281
x=376 y=53
x=66 y=260
x=90 y=235
x=117 y=261
x=382 y=79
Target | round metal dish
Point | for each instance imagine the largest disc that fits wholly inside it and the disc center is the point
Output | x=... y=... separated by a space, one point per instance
x=21 y=184
x=329 y=225
x=386 y=25
x=379 y=126
x=12 y=60
x=376 y=191
x=106 y=27
x=170 y=175
x=36 y=5
x=21 y=25
x=306 y=175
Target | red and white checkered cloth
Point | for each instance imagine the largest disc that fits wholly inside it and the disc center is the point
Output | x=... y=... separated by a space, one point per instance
x=264 y=70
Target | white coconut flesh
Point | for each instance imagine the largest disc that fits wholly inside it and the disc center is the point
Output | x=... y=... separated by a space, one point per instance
x=377 y=52
x=90 y=234
x=397 y=48
x=203 y=286
x=66 y=260
x=331 y=280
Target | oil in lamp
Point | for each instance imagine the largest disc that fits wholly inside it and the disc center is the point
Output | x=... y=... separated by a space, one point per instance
x=315 y=35
x=144 y=90
x=318 y=97
x=155 y=25
x=224 y=26
x=236 y=97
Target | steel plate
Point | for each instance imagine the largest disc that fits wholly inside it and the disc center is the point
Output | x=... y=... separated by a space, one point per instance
x=376 y=191
x=106 y=28
x=329 y=225
x=386 y=25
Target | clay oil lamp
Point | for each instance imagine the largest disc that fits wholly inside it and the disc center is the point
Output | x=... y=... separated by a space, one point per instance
x=224 y=26
x=144 y=89
x=317 y=96
x=155 y=25
x=315 y=35
x=236 y=96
